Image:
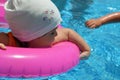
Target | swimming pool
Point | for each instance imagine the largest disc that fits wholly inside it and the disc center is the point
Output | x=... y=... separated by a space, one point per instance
x=104 y=62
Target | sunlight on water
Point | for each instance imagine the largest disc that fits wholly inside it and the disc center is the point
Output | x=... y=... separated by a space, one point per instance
x=104 y=62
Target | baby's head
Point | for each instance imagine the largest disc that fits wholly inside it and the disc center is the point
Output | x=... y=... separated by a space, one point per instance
x=31 y=19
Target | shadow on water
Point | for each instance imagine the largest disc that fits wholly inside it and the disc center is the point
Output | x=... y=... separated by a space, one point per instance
x=60 y=4
x=79 y=7
x=73 y=8
x=73 y=13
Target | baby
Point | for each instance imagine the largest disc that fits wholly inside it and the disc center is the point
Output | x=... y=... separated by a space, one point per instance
x=35 y=23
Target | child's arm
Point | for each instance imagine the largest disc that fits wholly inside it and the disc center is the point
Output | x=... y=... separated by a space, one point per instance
x=92 y=23
x=78 y=40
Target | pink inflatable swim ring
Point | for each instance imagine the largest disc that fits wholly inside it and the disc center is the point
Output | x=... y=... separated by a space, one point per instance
x=2 y=14
x=32 y=62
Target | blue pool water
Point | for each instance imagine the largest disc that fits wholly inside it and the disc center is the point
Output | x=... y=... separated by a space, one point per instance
x=104 y=62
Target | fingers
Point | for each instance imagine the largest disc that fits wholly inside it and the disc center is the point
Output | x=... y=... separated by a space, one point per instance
x=91 y=23
x=93 y=26
x=84 y=55
x=2 y=46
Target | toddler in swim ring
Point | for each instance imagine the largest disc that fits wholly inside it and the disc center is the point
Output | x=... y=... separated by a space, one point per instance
x=34 y=23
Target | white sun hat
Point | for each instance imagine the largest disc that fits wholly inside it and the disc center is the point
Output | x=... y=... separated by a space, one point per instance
x=30 y=19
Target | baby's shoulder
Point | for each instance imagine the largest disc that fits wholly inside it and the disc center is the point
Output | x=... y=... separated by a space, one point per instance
x=63 y=31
